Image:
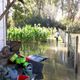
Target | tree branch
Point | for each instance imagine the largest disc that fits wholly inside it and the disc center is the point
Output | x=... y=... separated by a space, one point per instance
x=7 y=9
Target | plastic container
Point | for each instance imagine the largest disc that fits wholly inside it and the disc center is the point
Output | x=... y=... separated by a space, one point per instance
x=23 y=77
x=13 y=57
x=36 y=60
x=29 y=70
x=12 y=74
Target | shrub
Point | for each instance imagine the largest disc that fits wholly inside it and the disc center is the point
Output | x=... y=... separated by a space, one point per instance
x=28 y=33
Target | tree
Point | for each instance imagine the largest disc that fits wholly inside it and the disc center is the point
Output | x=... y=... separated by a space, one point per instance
x=7 y=9
x=71 y=8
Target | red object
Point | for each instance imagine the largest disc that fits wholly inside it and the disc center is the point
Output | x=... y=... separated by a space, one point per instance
x=23 y=77
x=27 y=59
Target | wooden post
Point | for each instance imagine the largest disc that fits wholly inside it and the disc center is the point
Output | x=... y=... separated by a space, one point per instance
x=68 y=45
x=76 y=57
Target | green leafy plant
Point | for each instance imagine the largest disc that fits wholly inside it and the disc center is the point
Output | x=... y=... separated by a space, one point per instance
x=28 y=33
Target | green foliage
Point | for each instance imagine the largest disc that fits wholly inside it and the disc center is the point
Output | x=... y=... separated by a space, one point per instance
x=28 y=33
x=32 y=12
x=71 y=26
x=14 y=33
x=65 y=22
x=38 y=11
x=74 y=27
x=18 y=15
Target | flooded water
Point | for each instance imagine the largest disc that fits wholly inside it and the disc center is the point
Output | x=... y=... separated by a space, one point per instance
x=55 y=67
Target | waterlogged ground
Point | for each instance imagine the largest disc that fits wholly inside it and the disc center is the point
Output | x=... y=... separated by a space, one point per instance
x=55 y=67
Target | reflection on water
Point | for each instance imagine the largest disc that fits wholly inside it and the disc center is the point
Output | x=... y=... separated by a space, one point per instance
x=56 y=70
x=55 y=67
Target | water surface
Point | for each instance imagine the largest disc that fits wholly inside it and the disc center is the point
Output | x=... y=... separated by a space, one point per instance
x=55 y=67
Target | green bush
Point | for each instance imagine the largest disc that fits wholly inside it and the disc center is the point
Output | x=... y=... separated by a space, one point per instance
x=28 y=33
x=14 y=33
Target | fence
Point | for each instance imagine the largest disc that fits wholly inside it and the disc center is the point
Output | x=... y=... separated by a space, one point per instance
x=73 y=52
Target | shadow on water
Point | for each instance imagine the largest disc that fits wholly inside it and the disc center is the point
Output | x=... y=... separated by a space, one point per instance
x=55 y=67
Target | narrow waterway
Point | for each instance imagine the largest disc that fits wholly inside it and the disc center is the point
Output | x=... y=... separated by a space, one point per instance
x=55 y=67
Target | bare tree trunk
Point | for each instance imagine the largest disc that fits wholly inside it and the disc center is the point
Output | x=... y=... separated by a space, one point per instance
x=62 y=5
x=8 y=3
x=71 y=9
x=7 y=9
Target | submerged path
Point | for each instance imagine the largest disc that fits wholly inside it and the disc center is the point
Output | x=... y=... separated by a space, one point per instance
x=55 y=67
